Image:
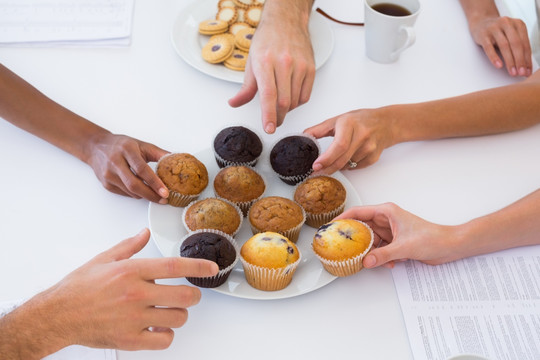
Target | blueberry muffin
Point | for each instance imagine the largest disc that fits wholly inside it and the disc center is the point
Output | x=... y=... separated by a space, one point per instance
x=213 y=213
x=341 y=245
x=292 y=158
x=269 y=260
x=211 y=245
x=277 y=214
x=322 y=197
x=184 y=175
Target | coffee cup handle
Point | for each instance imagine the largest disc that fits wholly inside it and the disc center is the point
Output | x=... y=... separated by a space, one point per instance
x=411 y=38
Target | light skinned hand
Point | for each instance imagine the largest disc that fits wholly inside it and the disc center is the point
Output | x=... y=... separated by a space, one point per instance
x=400 y=235
x=358 y=136
x=120 y=163
x=510 y=37
x=113 y=302
x=281 y=68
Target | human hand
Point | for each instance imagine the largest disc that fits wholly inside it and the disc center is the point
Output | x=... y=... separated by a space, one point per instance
x=113 y=302
x=280 y=66
x=120 y=163
x=510 y=36
x=400 y=235
x=359 y=136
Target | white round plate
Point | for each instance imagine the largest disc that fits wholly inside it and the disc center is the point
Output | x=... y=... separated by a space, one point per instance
x=167 y=229
x=188 y=43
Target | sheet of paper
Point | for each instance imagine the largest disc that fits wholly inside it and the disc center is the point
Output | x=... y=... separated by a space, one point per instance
x=65 y=22
x=486 y=305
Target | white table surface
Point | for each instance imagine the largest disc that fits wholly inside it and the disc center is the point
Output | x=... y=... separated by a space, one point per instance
x=55 y=215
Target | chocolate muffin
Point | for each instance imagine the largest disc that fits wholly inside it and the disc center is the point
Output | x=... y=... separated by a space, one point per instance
x=237 y=145
x=211 y=245
x=292 y=158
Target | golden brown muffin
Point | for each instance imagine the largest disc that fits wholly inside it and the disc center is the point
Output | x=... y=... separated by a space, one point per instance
x=212 y=213
x=269 y=260
x=184 y=176
x=277 y=214
x=341 y=245
x=322 y=197
x=240 y=185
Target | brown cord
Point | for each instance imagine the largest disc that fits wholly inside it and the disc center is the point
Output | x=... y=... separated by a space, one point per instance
x=320 y=11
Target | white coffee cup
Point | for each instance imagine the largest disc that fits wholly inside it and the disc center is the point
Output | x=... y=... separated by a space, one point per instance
x=387 y=36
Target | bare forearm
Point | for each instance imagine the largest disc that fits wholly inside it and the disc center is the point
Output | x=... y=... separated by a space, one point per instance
x=291 y=12
x=477 y=10
x=28 y=332
x=513 y=226
x=25 y=107
x=493 y=111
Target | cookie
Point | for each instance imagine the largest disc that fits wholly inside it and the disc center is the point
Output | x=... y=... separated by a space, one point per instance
x=243 y=3
x=242 y=39
x=213 y=27
x=226 y=3
x=227 y=14
x=218 y=48
x=253 y=15
x=241 y=15
x=237 y=61
x=258 y=2
x=237 y=26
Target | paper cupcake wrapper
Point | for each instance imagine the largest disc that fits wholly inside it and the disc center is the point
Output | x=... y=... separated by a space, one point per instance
x=268 y=279
x=292 y=234
x=245 y=205
x=316 y=220
x=240 y=214
x=294 y=179
x=175 y=198
x=222 y=163
x=349 y=266
x=222 y=275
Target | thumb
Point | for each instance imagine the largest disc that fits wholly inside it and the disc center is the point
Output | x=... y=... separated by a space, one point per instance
x=152 y=152
x=247 y=91
x=323 y=129
x=380 y=256
x=126 y=248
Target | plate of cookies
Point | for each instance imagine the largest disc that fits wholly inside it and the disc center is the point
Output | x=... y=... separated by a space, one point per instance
x=242 y=200
x=214 y=36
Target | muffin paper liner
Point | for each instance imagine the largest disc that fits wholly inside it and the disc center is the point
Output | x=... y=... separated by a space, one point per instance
x=269 y=279
x=244 y=205
x=292 y=234
x=295 y=179
x=222 y=163
x=240 y=214
x=348 y=266
x=222 y=275
x=175 y=198
x=316 y=220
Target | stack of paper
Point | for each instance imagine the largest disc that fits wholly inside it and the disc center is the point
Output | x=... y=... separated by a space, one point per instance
x=65 y=22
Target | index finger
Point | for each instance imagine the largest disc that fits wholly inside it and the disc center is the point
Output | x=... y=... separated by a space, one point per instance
x=175 y=267
x=266 y=84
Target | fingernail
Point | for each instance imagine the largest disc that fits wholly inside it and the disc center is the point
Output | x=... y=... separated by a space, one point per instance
x=269 y=128
x=317 y=166
x=522 y=71
x=513 y=71
x=163 y=201
x=163 y=192
x=370 y=261
x=498 y=64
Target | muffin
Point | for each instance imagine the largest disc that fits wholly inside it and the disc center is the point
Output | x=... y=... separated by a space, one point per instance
x=277 y=214
x=341 y=245
x=213 y=213
x=237 y=145
x=292 y=158
x=239 y=184
x=269 y=260
x=184 y=176
x=322 y=197
x=212 y=245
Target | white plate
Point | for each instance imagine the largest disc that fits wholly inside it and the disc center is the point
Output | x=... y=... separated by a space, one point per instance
x=167 y=229
x=188 y=43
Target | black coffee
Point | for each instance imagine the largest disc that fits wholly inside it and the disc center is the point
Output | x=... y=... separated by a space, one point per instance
x=391 y=9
